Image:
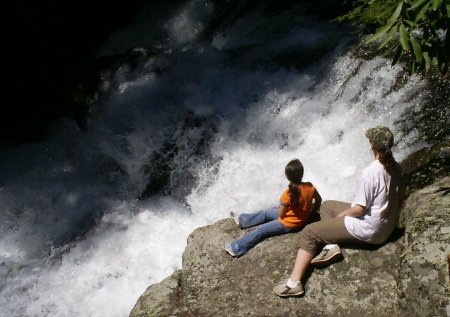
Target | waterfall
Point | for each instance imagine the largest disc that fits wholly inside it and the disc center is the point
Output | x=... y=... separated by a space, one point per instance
x=202 y=125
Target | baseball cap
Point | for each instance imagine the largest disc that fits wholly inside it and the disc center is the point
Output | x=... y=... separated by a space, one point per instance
x=380 y=137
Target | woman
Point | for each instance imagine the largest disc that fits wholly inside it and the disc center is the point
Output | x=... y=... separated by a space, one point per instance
x=371 y=218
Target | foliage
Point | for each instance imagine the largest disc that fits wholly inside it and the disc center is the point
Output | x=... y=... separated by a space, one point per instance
x=369 y=13
x=415 y=28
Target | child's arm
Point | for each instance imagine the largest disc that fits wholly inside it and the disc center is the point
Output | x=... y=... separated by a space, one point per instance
x=317 y=201
x=282 y=211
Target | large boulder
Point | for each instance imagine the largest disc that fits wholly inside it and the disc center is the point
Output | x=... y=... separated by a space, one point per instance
x=424 y=275
x=406 y=276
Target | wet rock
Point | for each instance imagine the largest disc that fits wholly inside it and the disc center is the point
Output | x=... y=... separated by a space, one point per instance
x=189 y=143
x=426 y=165
x=164 y=293
x=105 y=75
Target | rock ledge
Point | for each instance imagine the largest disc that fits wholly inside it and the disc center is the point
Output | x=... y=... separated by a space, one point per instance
x=407 y=276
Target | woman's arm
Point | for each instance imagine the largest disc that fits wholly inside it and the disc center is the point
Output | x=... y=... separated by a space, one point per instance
x=355 y=211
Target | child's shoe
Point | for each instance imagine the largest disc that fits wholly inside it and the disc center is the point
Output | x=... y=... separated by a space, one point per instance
x=235 y=217
x=227 y=247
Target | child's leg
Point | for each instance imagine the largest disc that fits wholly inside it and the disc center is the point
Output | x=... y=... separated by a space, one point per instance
x=269 y=229
x=259 y=217
x=331 y=208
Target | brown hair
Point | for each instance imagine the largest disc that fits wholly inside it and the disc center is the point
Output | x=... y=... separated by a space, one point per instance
x=294 y=174
x=386 y=158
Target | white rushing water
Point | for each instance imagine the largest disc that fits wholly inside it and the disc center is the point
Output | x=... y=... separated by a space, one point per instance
x=225 y=117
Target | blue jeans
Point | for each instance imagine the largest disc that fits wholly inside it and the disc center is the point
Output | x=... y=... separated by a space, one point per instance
x=269 y=226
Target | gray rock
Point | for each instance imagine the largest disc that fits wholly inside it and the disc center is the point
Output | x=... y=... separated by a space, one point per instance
x=406 y=276
x=424 y=276
x=163 y=294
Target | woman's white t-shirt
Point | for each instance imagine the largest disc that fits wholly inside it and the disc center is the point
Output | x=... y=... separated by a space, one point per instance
x=380 y=192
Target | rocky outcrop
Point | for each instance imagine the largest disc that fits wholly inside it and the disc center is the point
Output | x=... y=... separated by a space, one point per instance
x=407 y=276
x=424 y=273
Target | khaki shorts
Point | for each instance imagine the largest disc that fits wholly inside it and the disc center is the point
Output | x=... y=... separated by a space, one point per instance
x=328 y=230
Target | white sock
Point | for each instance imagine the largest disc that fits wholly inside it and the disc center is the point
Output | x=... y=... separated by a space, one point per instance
x=329 y=246
x=291 y=284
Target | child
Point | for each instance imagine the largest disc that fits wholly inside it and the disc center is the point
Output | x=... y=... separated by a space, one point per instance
x=294 y=210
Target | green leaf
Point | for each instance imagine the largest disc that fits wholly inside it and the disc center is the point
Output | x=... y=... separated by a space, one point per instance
x=415 y=4
x=379 y=32
x=434 y=61
x=427 y=60
x=414 y=24
x=448 y=10
x=389 y=36
x=397 y=55
x=404 y=37
x=413 y=68
x=436 y=4
x=416 y=48
x=422 y=12
x=396 y=13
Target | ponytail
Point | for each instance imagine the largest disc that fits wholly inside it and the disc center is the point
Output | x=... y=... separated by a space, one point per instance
x=386 y=158
x=294 y=174
x=294 y=194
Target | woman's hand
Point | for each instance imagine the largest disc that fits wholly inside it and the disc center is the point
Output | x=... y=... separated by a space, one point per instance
x=356 y=211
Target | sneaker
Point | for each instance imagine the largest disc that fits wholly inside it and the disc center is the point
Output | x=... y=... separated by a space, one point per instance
x=283 y=290
x=235 y=217
x=227 y=247
x=327 y=255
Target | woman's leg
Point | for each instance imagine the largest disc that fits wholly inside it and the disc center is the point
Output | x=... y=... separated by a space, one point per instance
x=247 y=220
x=327 y=231
x=269 y=229
x=293 y=286
x=313 y=236
x=301 y=264
x=331 y=208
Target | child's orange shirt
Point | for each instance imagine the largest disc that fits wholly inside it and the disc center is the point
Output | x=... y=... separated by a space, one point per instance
x=295 y=218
